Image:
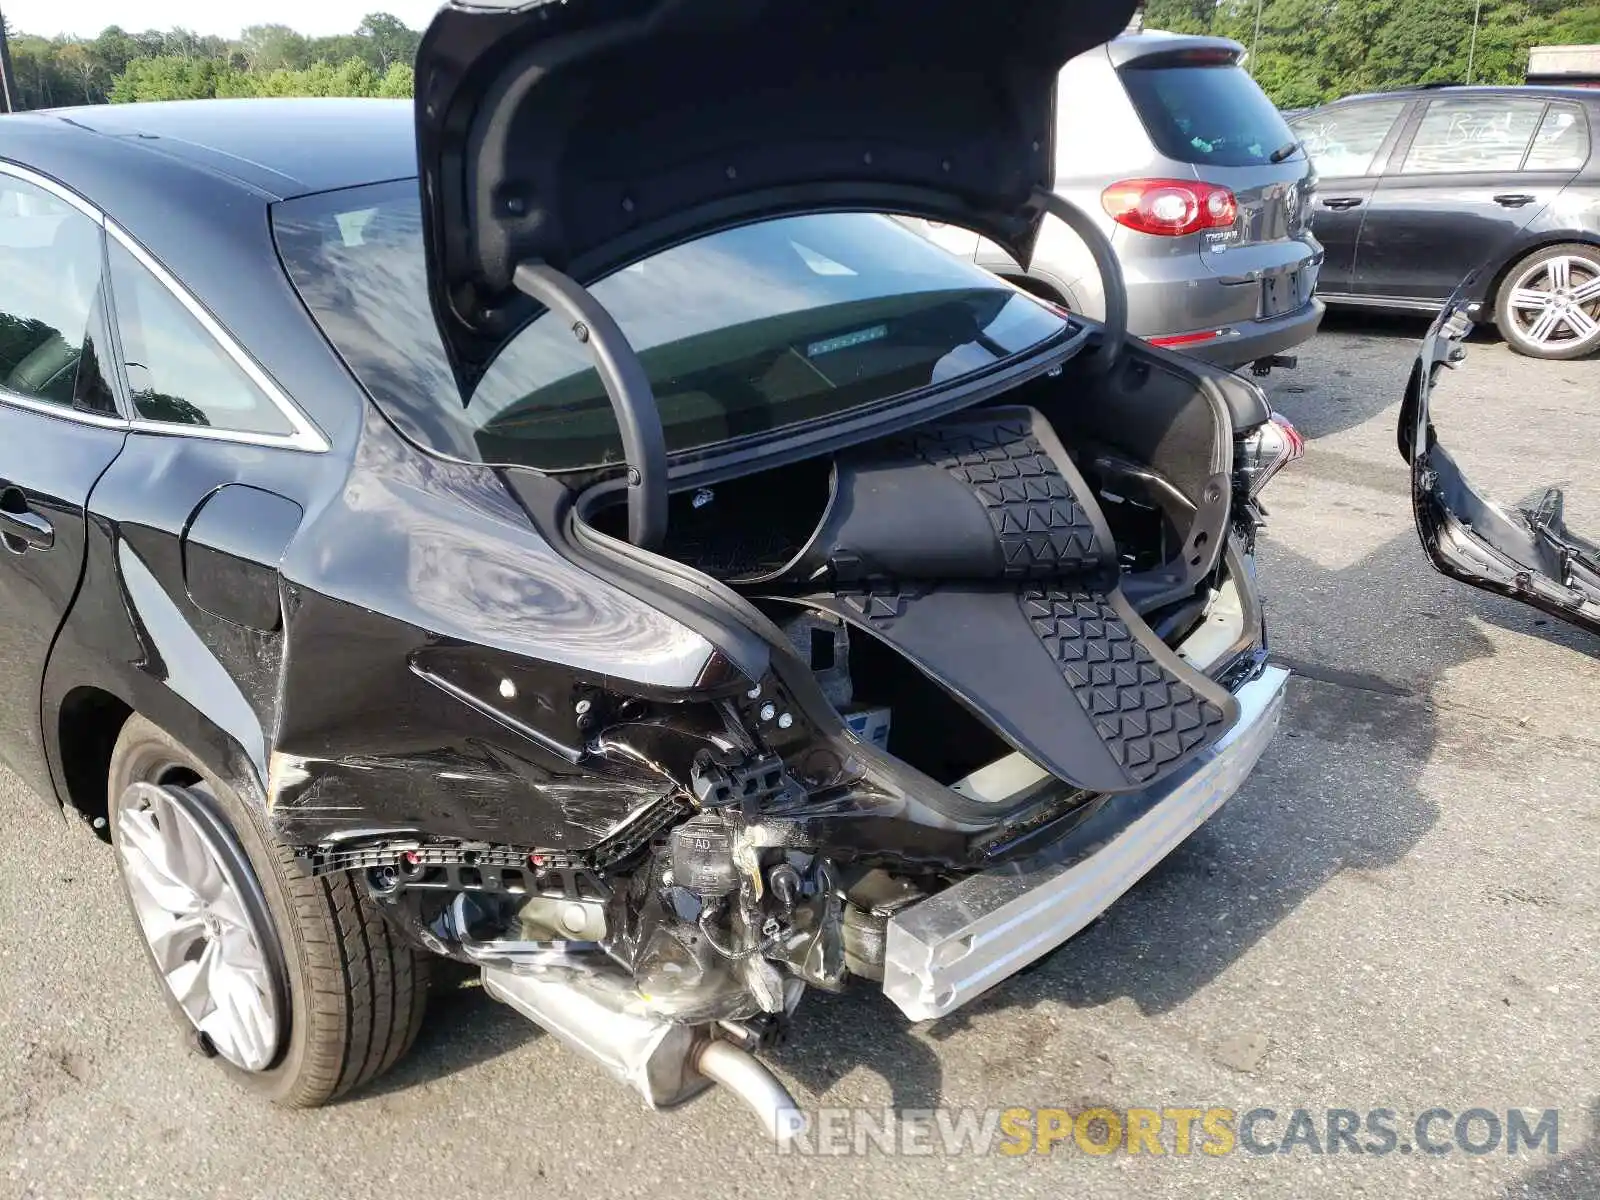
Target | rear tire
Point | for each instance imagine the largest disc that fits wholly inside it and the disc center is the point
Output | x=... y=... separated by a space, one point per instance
x=354 y=993
x=1548 y=305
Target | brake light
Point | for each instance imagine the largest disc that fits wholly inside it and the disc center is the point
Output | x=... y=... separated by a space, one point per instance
x=1170 y=207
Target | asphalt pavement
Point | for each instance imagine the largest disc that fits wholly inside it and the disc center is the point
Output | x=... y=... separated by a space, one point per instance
x=1398 y=912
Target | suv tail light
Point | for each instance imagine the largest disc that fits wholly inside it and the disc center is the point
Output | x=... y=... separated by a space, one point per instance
x=1170 y=207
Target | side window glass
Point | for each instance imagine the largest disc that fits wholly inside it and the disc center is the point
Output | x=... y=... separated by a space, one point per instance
x=177 y=372
x=49 y=276
x=1473 y=135
x=1562 y=143
x=1343 y=141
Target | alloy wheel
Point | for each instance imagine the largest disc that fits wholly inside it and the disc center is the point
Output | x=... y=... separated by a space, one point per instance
x=1556 y=303
x=204 y=930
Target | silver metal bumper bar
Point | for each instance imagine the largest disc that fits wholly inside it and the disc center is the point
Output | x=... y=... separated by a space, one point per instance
x=958 y=944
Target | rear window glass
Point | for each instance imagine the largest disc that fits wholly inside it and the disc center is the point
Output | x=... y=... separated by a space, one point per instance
x=1212 y=114
x=1562 y=143
x=741 y=332
x=49 y=274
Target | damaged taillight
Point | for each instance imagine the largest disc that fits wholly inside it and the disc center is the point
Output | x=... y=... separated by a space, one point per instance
x=1265 y=450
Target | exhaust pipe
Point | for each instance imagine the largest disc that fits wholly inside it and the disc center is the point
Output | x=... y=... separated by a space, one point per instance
x=664 y=1062
x=748 y=1078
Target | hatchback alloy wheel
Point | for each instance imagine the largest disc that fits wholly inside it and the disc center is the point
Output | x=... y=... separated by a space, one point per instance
x=1553 y=306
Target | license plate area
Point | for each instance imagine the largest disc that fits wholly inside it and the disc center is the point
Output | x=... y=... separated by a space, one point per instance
x=1280 y=294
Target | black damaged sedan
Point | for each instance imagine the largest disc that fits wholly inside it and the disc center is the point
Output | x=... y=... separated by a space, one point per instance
x=564 y=528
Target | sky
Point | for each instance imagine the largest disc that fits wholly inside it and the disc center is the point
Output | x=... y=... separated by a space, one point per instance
x=318 y=18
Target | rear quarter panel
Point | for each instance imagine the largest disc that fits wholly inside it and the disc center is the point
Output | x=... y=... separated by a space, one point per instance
x=135 y=632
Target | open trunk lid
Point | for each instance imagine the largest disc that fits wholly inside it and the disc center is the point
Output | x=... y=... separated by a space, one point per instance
x=588 y=135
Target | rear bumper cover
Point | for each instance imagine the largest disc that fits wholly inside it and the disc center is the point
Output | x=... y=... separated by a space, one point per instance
x=1529 y=555
x=954 y=946
x=1245 y=341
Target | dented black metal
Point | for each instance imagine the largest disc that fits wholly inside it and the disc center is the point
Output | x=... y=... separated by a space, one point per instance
x=545 y=746
x=371 y=712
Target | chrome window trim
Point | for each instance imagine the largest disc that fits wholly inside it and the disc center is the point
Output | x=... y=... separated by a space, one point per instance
x=46 y=184
x=306 y=436
x=65 y=412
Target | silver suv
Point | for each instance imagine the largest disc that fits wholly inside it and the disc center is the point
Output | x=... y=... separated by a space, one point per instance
x=1200 y=185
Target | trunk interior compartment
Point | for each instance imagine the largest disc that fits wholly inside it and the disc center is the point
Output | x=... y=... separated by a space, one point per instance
x=970 y=587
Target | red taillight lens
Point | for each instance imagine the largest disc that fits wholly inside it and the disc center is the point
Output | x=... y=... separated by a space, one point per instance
x=1169 y=207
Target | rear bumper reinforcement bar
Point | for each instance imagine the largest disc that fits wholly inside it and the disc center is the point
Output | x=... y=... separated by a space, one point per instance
x=954 y=946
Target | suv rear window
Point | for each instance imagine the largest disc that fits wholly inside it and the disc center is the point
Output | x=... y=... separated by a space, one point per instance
x=740 y=332
x=1209 y=113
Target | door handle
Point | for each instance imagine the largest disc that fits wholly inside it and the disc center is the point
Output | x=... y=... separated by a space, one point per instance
x=1513 y=199
x=18 y=524
x=1340 y=202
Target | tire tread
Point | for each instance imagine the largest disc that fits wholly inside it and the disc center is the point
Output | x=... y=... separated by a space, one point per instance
x=365 y=990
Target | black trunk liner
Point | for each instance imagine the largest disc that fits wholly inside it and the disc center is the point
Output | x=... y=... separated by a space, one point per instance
x=976 y=550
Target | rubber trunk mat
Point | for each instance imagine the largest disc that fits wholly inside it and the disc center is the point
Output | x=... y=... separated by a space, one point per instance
x=975 y=549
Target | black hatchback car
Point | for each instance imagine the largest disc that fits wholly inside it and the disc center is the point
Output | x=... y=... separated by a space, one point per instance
x=1419 y=189
x=563 y=527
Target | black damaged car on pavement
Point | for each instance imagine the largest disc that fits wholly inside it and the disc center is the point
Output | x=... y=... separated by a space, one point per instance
x=564 y=528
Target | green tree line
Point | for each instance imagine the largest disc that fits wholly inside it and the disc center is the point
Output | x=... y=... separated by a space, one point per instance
x=1304 y=52
x=264 y=60
x=1311 y=51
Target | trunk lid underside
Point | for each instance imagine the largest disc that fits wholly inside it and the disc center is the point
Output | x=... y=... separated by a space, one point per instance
x=588 y=136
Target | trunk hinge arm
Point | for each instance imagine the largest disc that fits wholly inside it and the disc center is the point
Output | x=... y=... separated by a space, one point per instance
x=644 y=444
x=1115 y=324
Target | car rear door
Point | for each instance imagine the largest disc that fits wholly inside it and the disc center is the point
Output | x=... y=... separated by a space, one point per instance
x=59 y=430
x=1348 y=145
x=1462 y=186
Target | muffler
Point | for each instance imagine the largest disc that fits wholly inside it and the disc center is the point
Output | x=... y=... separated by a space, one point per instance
x=666 y=1063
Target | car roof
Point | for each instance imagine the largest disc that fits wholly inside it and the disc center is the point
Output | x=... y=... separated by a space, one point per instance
x=277 y=148
x=1543 y=91
x=192 y=182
